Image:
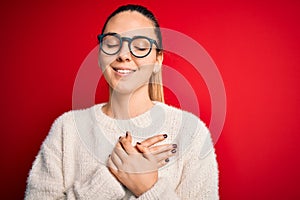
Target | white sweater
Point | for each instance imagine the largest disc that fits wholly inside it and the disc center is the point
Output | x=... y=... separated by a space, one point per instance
x=71 y=163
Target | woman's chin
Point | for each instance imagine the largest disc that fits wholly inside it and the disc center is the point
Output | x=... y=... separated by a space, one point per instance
x=122 y=88
x=126 y=88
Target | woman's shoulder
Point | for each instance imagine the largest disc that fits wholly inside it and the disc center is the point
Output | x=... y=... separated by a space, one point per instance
x=70 y=121
x=76 y=115
x=183 y=115
x=187 y=122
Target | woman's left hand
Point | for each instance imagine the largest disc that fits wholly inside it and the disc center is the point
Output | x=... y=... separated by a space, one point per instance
x=135 y=167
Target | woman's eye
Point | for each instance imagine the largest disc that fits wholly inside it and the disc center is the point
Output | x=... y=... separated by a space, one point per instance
x=140 y=48
x=141 y=44
x=112 y=45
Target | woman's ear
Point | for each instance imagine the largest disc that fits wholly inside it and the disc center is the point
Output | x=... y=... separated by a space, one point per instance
x=156 y=67
x=158 y=63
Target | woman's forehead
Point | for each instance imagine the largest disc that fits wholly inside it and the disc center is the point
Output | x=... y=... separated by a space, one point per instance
x=130 y=23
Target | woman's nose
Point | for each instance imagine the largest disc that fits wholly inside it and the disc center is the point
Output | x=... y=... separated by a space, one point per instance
x=124 y=53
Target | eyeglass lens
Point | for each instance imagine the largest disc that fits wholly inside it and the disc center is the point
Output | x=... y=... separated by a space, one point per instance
x=139 y=46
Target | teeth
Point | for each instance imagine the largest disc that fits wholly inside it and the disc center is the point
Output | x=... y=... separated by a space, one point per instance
x=124 y=71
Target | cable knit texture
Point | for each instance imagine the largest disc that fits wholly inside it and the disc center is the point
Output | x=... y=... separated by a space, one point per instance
x=71 y=163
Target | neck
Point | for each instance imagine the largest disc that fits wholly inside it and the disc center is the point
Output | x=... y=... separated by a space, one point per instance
x=125 y=106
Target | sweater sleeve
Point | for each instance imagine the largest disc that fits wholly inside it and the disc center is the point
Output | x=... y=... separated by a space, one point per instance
x=200 y=173
x=159 y=191
x=199 y=178
x=46 y=178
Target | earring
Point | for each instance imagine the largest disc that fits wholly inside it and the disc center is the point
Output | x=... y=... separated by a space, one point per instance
x=156 y=68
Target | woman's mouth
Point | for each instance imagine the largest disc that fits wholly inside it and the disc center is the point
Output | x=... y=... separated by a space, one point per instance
x=123 y=71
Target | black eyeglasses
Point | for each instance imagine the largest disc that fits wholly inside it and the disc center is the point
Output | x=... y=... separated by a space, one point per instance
x=139 y=46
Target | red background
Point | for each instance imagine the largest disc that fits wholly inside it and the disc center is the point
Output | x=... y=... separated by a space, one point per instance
x=254 y=44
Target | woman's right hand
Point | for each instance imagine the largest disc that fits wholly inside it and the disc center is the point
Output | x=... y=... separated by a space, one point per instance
x=136 y=166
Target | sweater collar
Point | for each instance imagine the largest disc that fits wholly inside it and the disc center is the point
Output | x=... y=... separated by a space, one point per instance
x=143 y=125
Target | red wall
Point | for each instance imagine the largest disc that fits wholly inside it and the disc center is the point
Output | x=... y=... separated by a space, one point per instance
x=255 y=46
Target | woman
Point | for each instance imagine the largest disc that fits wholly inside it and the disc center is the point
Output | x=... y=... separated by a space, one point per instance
x=158 y=152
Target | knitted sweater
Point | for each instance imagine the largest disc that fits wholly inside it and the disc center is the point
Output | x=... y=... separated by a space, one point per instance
x=71 y=163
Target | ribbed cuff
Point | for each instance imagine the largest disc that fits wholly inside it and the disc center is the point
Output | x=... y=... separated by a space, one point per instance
x=160 y=190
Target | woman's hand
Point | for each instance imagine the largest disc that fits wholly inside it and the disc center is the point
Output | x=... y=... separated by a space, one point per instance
x=136 y=166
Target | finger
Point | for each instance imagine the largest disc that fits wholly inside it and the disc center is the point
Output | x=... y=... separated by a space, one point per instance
x=153 y=140
x=165 y=155
x=162 y=163
x=162 y=148
x=127 y=146
x=116 y=159
x=129 y=136
x=145 y=151
x=121 y=153
x=111 y=166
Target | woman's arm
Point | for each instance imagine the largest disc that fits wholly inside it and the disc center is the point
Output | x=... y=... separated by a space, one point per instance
x=199 y=178
x=46 y=178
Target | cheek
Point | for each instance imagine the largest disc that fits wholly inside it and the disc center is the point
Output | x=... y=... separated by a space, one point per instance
x=147 y=62
x=101 y=61
x=105 y=60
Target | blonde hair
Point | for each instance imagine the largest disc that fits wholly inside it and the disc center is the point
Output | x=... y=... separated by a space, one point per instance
x=155 y=87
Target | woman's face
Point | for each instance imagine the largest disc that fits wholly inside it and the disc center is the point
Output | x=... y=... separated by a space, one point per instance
x=123 y=71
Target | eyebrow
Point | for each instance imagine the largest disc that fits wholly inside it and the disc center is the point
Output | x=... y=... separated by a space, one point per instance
x=110 y=33
x=127 y=36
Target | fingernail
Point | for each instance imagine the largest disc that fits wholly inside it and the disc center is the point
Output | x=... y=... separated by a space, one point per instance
x=174 y=145
x=165 y=135
x=138 y=143
x=167 y=160
x=126 y=133
x=173 y=151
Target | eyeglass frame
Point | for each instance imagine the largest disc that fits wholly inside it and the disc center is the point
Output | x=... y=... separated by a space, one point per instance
x=129 y=40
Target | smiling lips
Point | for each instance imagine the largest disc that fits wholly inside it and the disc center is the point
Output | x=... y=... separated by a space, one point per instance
x=123 y=71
